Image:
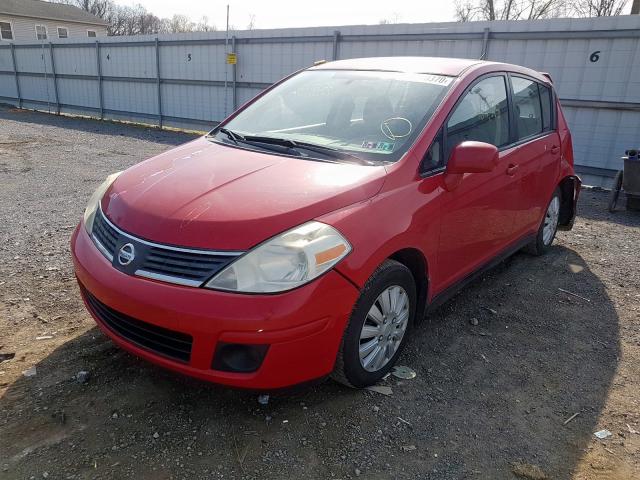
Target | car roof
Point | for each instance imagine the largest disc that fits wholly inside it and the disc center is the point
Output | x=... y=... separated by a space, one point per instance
x=434 y=65
x=437 y=65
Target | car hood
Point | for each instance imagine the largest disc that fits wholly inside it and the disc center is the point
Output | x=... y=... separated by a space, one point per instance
x=206 y=195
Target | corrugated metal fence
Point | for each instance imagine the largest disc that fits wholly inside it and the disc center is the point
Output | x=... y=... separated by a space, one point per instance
x=184 y=81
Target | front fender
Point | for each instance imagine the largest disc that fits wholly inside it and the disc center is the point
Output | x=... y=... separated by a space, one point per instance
x=381 y=226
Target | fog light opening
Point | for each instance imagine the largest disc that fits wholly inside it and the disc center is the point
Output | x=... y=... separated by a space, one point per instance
x=237 y=357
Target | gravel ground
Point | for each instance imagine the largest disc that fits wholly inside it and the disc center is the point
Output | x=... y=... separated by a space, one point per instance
x=489 y=401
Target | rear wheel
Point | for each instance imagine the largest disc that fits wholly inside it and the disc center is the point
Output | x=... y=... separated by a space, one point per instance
x=379 y=325
x=548 y=227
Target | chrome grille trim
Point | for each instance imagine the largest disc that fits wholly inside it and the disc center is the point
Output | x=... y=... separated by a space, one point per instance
x=229 y=253
x=166 y=263
x=102 y=248
x=168 y=278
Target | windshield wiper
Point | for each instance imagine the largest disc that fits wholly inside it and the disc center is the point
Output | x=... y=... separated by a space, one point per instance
x=267 y=143
x=312 y=147
x=231 y=134
x=333 y=152
x=293 y=146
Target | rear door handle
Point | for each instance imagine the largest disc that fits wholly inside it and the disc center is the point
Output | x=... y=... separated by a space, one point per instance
x=555 y=149
x=512 y=169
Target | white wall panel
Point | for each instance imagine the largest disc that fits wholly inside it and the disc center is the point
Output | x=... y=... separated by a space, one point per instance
x=75 y=61
x=6 y=64
x=7 y=86
x=130 y=61
x=81 y=93
x=194 y=101
x=130 y=96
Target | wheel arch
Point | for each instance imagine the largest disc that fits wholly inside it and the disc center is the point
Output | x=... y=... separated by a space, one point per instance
x=569 y=190
x=416 y=262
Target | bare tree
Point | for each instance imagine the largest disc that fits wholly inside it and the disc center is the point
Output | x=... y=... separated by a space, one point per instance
x=599 y=8
x=465 y=11
x=99 y=8
x=204 y=25
x=394 y=18
x=469 y=10
x=180 y=24
x=252 y=22
x=137 y=20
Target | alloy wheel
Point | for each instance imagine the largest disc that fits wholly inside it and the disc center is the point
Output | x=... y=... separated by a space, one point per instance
x=551 y=220
x=384 y=328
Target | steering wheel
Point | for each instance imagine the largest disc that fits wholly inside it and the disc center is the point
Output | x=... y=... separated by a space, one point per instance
x=396 y=127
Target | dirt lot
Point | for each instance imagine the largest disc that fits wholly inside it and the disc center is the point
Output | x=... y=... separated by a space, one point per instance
x=489 y=401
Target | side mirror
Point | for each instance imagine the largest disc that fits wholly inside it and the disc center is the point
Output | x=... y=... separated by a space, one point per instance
x=473 y=157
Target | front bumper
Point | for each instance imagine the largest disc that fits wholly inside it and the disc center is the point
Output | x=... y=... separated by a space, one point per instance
x=302 y=327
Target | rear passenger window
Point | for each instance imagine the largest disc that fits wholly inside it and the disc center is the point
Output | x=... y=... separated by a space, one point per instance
x=528 y=110
x=545 y=101
x=482 y=115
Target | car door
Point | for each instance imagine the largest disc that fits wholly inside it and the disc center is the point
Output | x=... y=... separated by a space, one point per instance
x=478 y=214
x=538 y=150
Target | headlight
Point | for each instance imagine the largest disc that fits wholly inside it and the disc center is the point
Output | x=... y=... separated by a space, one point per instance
x=287 y=261
x=94 y=201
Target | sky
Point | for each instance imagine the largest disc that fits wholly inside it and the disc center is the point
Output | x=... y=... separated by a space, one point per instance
x=300 y=13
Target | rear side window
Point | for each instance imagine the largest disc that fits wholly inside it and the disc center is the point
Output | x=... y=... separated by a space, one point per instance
x=545 y=100
x=527 y=106
x=482 y=115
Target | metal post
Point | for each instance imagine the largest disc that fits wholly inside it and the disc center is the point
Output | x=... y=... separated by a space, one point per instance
x=485 y=43
x=226 y=66
x=234 y=74
x=158 y=83
x=55 y=78
x=99 y=66
x=15 y=74
x=336 y=44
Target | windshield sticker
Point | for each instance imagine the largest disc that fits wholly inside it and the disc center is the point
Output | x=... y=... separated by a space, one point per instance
x=382 y=146
x=430 y=78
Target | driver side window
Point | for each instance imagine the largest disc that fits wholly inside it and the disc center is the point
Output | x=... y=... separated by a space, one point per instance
x=482 y=115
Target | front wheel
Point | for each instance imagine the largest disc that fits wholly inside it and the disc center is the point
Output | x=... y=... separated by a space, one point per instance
x=378 y=328
x=548 y=227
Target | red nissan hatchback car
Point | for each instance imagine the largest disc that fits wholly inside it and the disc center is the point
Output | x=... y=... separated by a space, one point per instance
x=309 y=232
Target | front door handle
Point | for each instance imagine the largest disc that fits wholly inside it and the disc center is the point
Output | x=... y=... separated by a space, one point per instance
x=555 y=149
x=512 y=169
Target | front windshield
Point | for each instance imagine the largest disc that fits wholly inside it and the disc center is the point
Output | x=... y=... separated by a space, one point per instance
x=374 y=115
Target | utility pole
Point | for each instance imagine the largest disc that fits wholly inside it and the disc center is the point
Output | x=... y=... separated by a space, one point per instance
x=635 y=7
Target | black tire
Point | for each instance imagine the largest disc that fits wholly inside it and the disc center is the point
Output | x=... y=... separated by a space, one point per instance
x=615 y=191
x=538 y=246
x=348 y=369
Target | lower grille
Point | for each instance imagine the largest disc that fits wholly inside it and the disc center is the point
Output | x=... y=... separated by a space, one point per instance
x=169 y=343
